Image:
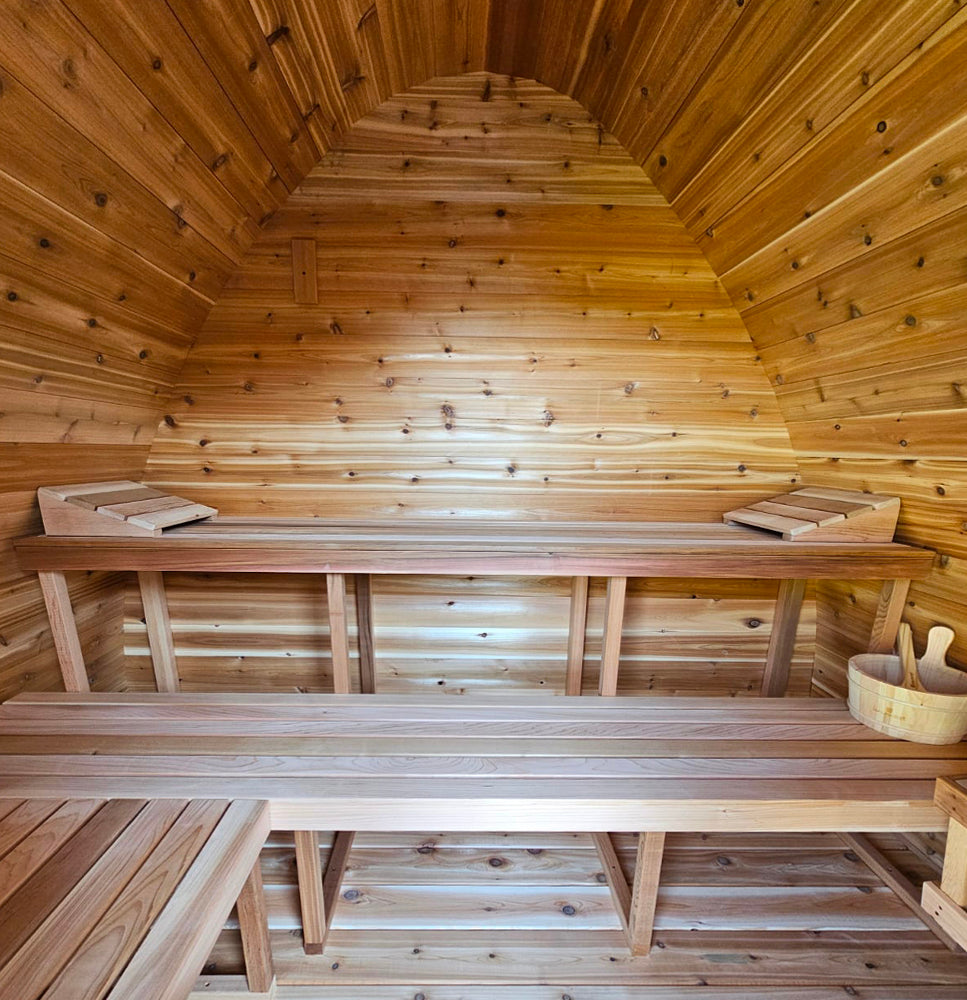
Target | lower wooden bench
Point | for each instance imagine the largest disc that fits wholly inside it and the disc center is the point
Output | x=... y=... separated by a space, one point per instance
x=124 y=899
x=513 y=763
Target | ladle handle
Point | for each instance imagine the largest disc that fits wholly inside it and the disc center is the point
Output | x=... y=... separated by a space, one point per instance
x=908 y=659
x=939 y=639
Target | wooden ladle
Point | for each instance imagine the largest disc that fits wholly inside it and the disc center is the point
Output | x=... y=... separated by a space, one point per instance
x=908 y=659
x=939 y=639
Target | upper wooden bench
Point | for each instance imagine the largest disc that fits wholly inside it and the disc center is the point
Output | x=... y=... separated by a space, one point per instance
x=124 y=899
x=577 y=550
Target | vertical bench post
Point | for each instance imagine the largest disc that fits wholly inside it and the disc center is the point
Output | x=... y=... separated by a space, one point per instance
x=158 y=622
x=63 y=628
x=889 y=611
x=364 y=630
x=614 y=614
x=782 y=641
x=253 y=923
x=577 y=626
x=318 y=892
x=338 y=632
x=644 y=896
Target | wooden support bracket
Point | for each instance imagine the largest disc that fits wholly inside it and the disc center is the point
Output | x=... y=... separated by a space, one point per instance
x=644 y=895
x=318 y=893
x=889 y=611
x=253 y=923
x=338 y=632
x=577 y=627
x=615 y=877
x=614 y=614
x=63 y=628
x=364 y=631
x=894 y=879
x=158 y=622
x=782 y=641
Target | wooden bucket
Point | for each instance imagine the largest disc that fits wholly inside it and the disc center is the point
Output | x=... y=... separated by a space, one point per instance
x=878 y=700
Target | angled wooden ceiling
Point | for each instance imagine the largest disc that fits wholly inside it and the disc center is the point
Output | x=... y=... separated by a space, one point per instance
x=814 y=148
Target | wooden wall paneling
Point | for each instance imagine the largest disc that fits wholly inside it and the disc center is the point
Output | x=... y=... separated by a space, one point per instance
x=889 y=122
x=132 y=132
x=71 y=171
x=399 y=44
x=752 y=62
x=606 y=66
x=332 y=33
x=459 y=32
x=52 y=242
x=568 y=29
x=573 y=425
x=912 y=192
x=816 y=88
x=921 y=262
x=308 y=69
x=231 y=42
x=512 y=33
x=152 y=48
x=670 y=50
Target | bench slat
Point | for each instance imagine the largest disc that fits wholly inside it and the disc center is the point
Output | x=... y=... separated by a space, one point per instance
x=167 y=963
x=36 y=899
x=18 y=824
x=43 y=841
x=28 y=973
x=93 y=969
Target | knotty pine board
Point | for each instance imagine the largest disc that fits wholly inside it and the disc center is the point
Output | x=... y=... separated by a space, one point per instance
x=442 y=635
x=483 y=203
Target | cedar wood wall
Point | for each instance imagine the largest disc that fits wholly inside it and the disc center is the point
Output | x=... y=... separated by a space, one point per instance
x=814 y=150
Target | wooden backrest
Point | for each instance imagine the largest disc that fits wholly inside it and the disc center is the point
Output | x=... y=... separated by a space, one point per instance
x=118 y=899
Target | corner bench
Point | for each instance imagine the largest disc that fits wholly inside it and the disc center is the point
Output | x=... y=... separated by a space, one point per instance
x=123 y=899
x=514 y=763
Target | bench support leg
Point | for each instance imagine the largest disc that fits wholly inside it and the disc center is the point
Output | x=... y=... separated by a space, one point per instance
x=614 y=613
x=947 y=902
x=63 y=628
x=895 y=880
x=775 y=677
x=160 y=641
x=253 y=922
x=644 y=896
x=364 y=629
x=575 y=635
x=338 y=632
x=889 y=611
x=319 y=893
x=617 y=883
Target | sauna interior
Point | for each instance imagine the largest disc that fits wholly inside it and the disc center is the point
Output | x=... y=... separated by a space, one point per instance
x=506 y=303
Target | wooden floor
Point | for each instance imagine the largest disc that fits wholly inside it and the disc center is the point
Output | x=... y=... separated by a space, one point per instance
x=529 y=918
